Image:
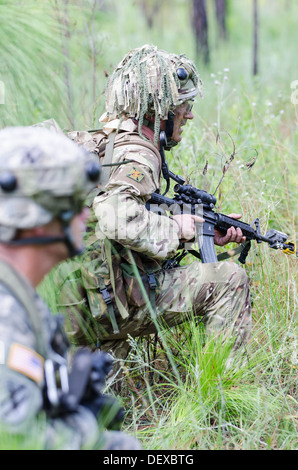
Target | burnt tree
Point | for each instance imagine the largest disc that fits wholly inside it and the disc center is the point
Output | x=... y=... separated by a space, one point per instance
x=255 y=37
x=150 y=9
x=200 y=26
x=221 y=12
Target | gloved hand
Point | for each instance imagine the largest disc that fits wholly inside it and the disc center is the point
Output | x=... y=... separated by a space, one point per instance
x=106 y=408
x=101 y=365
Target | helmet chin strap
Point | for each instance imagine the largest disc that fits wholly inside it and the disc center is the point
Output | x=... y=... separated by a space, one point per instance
x=66 y=238
x=72 y=249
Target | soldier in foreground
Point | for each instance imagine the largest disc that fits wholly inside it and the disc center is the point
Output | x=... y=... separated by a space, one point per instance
x=44 y=179
x=151 y=91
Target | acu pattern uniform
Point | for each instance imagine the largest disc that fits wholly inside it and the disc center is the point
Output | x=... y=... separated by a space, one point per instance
x=22 y=378
x=25 y=346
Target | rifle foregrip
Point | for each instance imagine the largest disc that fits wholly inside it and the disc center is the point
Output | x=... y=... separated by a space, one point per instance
x=224 y=222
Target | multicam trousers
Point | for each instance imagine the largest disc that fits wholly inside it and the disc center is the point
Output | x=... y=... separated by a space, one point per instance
x=217 y=291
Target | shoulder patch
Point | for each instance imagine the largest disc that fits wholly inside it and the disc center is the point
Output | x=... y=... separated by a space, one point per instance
x=135 y=174
x=26 y=361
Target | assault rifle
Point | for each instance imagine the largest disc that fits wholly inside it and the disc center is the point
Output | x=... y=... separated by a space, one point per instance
x=187 y=196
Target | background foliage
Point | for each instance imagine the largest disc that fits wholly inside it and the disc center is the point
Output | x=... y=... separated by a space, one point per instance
x=55 y=59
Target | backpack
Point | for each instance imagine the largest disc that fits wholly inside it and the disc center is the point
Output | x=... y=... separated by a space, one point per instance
x=107 y=279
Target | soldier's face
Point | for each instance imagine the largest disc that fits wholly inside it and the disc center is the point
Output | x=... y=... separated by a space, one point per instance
x=182 y=114
x=78 y=227
x=59 y=251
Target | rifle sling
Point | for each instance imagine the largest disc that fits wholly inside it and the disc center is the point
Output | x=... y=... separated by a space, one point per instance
x=230 y=253
x=108 y=254
x=222 y=256
x=108 y=159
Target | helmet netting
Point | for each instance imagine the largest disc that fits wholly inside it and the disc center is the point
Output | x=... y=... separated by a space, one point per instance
x=146 y=83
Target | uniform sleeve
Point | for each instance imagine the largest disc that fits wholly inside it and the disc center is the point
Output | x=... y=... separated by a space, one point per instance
x=21 y=388
x=121 y=211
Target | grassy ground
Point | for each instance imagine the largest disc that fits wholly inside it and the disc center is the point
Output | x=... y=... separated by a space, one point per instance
x=177 y=391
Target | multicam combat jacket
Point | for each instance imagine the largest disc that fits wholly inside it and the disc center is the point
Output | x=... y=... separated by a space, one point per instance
x=123 y=219
x=121 y=210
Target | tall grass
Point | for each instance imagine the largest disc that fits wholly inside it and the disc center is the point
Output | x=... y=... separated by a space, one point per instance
x=62 y=74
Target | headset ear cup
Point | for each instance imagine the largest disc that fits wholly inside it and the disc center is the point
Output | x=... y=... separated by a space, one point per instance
x=170 y=125
x=182 y=74
x=8 y=182
x=93 y=171
x=170 y=143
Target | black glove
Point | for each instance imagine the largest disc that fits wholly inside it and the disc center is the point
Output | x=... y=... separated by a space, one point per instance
x=106 y=408
x=101 y=365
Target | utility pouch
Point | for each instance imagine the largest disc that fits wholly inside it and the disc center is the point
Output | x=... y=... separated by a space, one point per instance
x=146 y=274
x=100 y=292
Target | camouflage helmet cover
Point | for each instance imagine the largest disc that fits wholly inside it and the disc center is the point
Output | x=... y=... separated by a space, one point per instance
x=42 y=174
x=150 y=81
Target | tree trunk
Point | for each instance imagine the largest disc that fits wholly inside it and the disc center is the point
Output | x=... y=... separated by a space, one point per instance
x=255 y=40
x=150 y=10
x=200 y=25
x=221 y=11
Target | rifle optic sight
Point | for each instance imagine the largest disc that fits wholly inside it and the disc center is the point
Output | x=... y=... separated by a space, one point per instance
x=192 y=195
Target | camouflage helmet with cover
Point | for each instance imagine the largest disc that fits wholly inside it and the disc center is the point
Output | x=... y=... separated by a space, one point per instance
x=43 y=175
x=148 y=82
